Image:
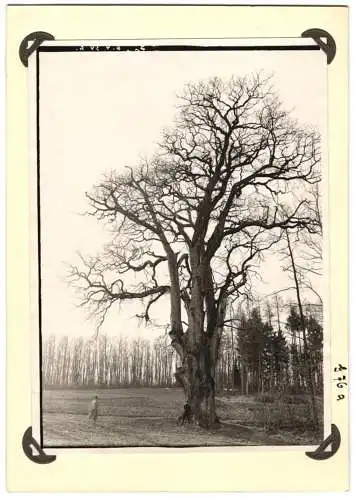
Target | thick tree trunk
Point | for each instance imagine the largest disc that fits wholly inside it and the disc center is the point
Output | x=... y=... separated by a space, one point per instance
x=196 y=375
x=198 y=347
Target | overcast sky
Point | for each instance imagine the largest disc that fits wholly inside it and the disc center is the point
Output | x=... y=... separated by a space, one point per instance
x=102 y=110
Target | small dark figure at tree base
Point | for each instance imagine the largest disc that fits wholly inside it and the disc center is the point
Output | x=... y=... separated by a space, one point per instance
x=187 y=416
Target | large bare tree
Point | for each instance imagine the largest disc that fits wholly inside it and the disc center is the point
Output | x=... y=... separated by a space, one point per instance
x=192 y=222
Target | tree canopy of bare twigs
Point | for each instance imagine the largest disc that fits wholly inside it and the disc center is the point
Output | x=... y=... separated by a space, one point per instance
x=227 y=179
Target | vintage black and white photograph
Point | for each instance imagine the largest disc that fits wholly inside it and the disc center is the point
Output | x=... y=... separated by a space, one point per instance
x=180 y=254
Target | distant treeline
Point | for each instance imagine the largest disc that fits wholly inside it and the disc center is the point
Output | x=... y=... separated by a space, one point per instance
x=257 y=354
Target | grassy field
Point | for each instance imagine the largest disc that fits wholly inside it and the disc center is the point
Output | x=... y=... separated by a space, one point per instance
x=148 y=417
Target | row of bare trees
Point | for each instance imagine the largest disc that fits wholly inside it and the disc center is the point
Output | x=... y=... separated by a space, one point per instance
x=257 y=354
x=107 y=362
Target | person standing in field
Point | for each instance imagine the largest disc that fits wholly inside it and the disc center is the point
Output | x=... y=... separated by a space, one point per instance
x=93 y=409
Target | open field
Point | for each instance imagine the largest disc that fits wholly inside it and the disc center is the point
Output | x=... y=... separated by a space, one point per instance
x=148 y=417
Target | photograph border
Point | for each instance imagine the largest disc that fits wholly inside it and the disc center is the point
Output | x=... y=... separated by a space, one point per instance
x=60 y=46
